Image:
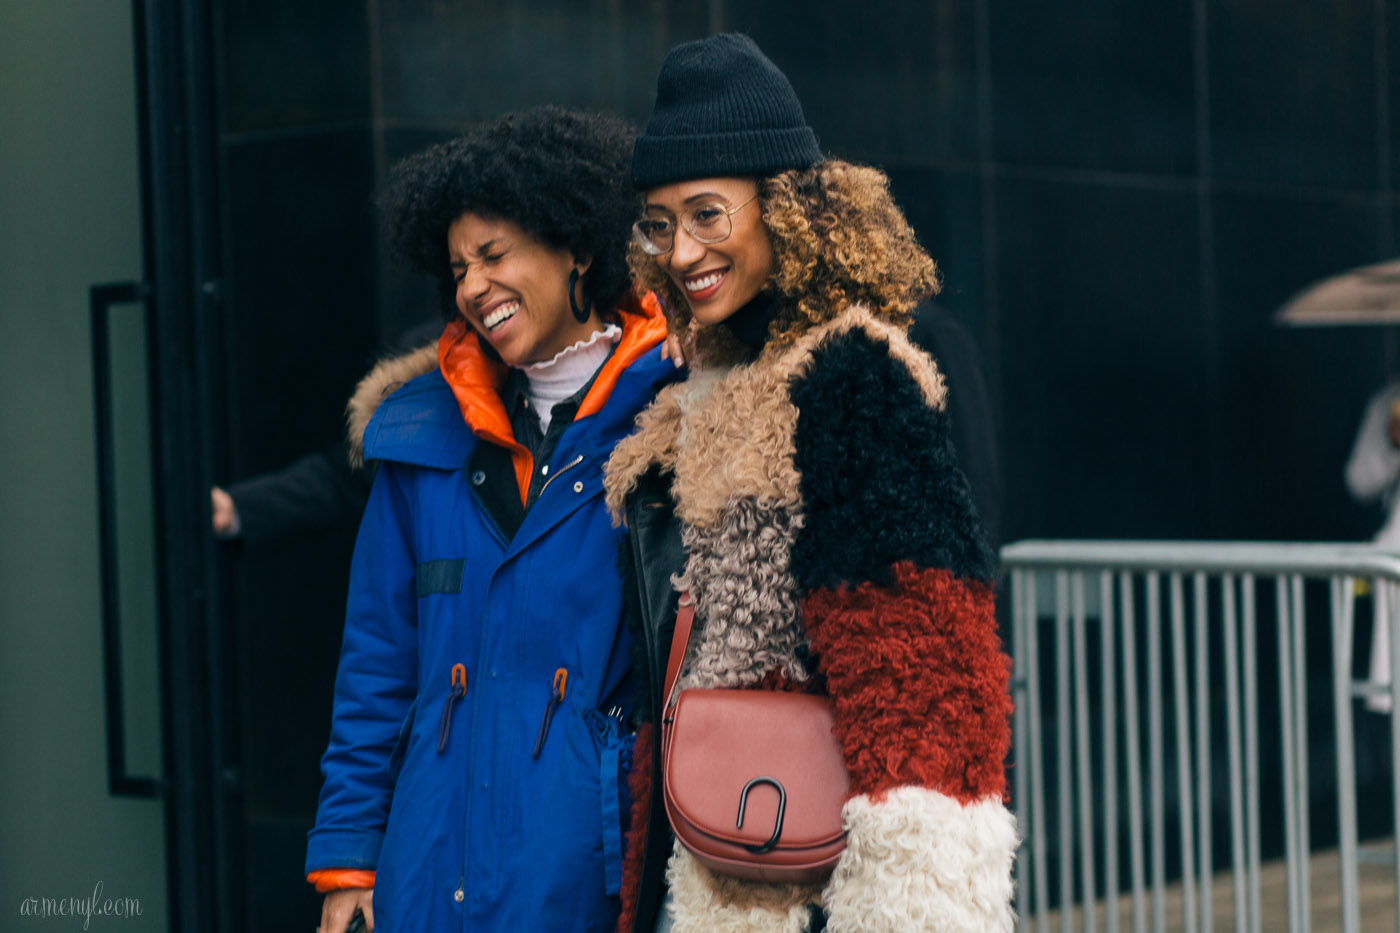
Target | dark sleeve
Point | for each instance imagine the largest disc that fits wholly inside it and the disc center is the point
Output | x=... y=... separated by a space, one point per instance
x=944 y=338
x=317 y=492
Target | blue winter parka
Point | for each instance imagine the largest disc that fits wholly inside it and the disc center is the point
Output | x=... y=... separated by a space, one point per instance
x=478 y=751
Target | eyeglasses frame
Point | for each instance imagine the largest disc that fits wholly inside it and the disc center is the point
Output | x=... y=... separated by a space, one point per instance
x=689 y=228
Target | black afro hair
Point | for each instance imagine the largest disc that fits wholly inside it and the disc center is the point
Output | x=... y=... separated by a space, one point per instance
x=562 y=175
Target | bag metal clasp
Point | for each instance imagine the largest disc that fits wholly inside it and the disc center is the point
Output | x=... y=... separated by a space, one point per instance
x=772 y=842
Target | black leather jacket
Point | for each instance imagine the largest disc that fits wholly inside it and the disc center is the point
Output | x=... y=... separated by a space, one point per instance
x=655 y=553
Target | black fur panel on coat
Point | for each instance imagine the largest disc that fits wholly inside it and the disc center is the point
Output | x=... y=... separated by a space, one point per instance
x=880 y=482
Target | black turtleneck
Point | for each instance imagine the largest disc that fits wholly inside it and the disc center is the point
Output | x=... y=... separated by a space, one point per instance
x=750 y=323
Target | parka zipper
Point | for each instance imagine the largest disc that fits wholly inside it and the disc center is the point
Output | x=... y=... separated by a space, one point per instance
x=459 y=690
x=556 y=696
x=562 y=470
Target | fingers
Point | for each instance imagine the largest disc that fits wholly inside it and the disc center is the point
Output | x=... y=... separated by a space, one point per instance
x=327 y=925
x=333 y=919
x=221 y=504
x=339 y=908
x=673 y=349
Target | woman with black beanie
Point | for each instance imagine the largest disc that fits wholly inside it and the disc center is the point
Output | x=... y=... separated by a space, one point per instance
x=800 y=487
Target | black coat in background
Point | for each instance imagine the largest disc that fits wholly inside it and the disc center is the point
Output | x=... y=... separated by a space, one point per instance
x=952 y=347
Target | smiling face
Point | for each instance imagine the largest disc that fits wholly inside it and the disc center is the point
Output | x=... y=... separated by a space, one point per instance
x=717 y=279
x=514 y=290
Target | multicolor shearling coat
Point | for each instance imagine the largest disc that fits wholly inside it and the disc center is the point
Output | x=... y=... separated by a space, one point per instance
x=831 y=544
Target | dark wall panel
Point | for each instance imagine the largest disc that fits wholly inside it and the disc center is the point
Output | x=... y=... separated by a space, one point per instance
x=1103 y=361
x=1291 y=398
x=452 y=63
x=301 y=294
x=1293 y=92
x=894 y=83
x=1390 y=49
x=1094 y=85
x=291 y=64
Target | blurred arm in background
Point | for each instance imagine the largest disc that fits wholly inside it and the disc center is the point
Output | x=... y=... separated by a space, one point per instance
x=1374 y=465
x=315 y=492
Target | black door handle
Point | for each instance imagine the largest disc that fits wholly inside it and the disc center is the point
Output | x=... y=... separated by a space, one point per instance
x=101 y=298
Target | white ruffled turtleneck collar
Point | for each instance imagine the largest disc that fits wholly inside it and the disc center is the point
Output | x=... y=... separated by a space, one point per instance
x=552 y=381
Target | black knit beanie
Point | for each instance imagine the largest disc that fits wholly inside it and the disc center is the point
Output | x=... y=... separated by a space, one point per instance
x=722 y=109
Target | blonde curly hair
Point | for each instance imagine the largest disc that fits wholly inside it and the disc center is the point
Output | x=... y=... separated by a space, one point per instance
x=838 y=239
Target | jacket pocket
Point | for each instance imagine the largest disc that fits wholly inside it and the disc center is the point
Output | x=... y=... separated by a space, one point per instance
x=400 y=751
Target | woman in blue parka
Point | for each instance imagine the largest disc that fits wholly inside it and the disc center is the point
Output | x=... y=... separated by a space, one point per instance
x=472 y=774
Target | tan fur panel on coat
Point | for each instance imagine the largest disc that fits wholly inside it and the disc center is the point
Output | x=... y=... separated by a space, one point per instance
x=383 y=379
x=738 y=441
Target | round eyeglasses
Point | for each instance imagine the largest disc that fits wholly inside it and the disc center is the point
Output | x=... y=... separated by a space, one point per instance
x=708 y=223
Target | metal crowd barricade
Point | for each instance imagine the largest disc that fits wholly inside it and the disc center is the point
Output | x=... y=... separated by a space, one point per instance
x=1118 y=597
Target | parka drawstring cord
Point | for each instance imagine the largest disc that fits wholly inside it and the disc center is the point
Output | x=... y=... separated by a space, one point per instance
x=556 y=696
x=459 y=690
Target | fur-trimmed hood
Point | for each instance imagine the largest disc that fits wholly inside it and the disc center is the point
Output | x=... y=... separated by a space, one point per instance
x=387 y=375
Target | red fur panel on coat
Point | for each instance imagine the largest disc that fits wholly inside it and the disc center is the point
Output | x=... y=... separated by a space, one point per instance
x=639 y=783
x=919 y=682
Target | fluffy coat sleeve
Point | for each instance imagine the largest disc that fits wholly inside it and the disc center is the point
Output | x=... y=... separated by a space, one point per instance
x=896 y=594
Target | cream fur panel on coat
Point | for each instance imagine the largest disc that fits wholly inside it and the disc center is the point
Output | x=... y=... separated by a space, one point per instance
x=947 y=864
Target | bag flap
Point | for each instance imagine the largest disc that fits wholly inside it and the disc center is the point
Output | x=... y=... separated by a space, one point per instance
x=721 y=740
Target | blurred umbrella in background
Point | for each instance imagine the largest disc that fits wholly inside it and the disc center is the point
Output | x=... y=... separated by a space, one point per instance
x=1368 y=295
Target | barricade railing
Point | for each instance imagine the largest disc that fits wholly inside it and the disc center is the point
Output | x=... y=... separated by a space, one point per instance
x=1146 y=637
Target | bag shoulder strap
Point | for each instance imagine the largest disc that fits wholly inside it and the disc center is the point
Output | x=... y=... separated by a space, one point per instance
x=685 y=619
